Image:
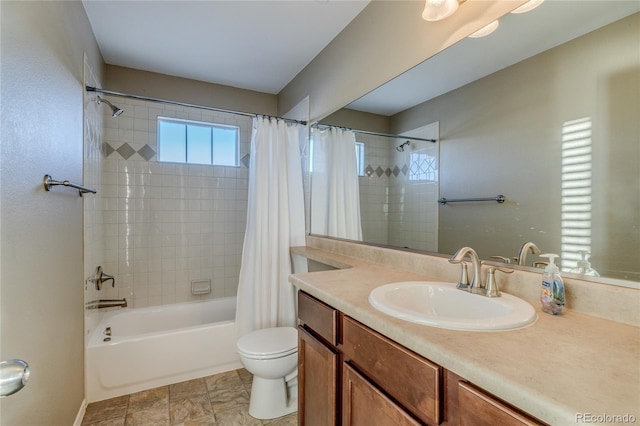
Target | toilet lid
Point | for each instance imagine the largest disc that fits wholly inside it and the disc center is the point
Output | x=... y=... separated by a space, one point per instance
x=269 y=343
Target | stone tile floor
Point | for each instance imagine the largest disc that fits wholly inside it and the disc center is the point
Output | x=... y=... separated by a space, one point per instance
x=220 y=400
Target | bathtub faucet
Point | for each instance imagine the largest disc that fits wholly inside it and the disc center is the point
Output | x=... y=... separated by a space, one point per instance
x=107 y=303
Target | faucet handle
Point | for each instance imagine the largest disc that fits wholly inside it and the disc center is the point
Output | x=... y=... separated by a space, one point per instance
x=502 y=258
x=491 y=287
x=463 y=282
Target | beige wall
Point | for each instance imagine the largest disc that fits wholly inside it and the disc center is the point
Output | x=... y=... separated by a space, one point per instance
x=384 y=40
x=161 y=86
x=502 y=134
x=41 y=263
x=359 y=120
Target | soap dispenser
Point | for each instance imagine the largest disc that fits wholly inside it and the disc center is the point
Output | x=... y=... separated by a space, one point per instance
x=552 y=294
x=584 y=266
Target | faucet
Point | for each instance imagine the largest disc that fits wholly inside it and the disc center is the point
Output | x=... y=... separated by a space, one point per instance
x=107 y=303
x=476 y=280
x=524 y=248
x=100 y=278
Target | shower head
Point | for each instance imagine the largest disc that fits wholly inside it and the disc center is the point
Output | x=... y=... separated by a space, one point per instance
x=400 y=148
x=115 y=111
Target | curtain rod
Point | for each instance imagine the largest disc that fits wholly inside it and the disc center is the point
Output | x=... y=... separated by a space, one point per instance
x=366 y=132
x=147 y=98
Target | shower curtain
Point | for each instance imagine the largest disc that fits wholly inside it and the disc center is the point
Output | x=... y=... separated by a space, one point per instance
x=275 y=222
x=335 y=206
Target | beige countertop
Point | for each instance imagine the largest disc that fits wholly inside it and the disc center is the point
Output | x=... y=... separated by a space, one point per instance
x=556 y=369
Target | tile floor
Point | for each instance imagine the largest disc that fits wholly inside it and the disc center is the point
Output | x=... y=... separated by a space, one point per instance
x=222 y=399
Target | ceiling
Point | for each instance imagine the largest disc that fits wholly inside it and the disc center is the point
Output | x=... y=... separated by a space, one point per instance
x=262 y=45
x=255 y=45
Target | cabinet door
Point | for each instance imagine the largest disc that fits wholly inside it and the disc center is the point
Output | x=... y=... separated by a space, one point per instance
x=412 y=381
x=317 y=382
x=365 y=405
x=476 y=408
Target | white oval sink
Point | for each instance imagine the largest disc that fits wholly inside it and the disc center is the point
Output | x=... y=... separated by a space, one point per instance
x=440 y=304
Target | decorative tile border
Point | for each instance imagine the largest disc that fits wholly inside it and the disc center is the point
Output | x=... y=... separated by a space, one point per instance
x=424 y=168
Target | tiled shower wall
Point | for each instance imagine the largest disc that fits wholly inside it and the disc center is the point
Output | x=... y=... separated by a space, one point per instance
x=399 y=193
x=413 y=196
x=374 y=189
x=167 y=224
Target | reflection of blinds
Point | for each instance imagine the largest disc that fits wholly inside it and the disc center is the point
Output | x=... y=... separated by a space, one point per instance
x=576 y=191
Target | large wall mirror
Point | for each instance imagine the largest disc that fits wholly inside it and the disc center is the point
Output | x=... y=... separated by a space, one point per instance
x=544 y=111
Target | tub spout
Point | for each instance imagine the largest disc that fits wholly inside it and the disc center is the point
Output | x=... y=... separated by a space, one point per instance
x=107 y=303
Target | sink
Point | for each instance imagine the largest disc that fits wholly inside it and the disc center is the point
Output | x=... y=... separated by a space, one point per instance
x=439 y=304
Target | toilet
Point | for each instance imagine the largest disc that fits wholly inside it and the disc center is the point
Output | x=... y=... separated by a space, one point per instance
x=271 y=355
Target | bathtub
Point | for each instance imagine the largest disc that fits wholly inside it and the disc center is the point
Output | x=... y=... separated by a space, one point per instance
x=160 y=345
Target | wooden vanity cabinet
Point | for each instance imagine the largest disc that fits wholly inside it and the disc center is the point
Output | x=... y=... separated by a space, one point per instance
x=351 y=375
x=318 y=362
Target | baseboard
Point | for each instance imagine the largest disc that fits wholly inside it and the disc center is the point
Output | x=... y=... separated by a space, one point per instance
x=80 y=416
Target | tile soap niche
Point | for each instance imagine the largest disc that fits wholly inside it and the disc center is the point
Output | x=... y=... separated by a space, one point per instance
x=200 y=287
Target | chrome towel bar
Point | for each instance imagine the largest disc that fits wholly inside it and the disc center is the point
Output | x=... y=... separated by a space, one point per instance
x=500 y=199
x=49 y=182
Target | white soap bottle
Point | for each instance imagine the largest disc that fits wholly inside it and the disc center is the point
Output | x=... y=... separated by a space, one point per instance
x=552 y=294
x=584 y=267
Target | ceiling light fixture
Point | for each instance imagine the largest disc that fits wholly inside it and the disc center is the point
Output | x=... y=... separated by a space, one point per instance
x=436 y=10
x=530 y=5
x=486 y=30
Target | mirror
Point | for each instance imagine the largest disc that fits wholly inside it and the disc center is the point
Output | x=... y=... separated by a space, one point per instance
x=554 y=130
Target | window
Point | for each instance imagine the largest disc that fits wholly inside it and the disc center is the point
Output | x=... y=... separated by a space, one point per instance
x=423 y=167
x=360 y=158
x=192 y=142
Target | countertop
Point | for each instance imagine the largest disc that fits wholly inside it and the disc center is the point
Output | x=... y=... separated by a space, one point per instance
x=556 y=369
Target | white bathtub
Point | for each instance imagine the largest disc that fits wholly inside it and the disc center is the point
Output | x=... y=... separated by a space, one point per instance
x=160 y=345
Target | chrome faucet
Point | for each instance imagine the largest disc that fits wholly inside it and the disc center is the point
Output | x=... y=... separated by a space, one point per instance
x=492 y=289
x=476 y=281
x=107 y=303
x=524 y=249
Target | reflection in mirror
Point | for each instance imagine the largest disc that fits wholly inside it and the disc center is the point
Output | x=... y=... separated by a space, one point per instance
x=556 y=133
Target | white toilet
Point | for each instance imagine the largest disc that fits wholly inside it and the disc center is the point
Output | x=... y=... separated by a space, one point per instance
x=271 y=355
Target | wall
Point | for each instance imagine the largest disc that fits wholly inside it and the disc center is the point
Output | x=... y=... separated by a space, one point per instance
x=384 y=40
x=167 y=224
x=94 y=250
x=374 y=188
x=413 y=191
x=161 y=86
x=503 y=135
x=42 y=45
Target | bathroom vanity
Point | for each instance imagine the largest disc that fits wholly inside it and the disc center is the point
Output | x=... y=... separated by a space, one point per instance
x=350 y=374
x=358 y=365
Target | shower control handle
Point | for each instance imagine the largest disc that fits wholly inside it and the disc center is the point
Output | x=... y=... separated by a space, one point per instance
x=101 y=278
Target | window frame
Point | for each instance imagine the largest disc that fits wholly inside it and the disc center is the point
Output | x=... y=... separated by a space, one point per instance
x=211 y=126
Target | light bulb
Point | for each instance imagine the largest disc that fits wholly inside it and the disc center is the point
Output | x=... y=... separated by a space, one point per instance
x=435 y=10
x=530 y=5
x=486 y=30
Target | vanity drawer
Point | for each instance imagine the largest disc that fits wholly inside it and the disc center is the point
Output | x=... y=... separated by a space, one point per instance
x=322 y=319
x=411 y=380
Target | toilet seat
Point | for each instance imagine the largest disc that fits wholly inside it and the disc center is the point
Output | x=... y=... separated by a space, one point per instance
x=268 y=343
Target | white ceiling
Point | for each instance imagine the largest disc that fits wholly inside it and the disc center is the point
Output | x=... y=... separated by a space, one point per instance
x=262 y=45
x=256 y=45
